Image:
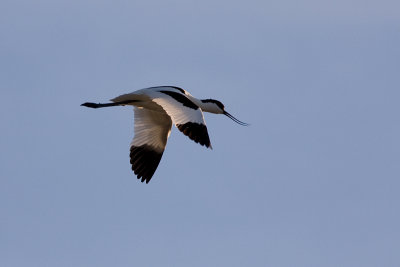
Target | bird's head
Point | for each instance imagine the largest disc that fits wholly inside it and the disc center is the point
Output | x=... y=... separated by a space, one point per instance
x=215 y=106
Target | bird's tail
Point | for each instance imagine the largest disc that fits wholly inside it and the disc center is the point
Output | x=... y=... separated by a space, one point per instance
x=100 y=105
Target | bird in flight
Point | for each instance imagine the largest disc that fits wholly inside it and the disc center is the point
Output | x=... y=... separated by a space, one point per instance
x=155 y=109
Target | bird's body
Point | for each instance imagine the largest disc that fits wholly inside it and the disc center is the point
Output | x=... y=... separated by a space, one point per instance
x=156 y=108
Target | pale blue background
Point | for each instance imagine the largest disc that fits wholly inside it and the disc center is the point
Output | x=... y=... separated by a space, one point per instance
x=314 y=181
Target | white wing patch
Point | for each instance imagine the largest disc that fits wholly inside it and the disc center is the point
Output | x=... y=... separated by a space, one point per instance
x=180 y=114
x=186 y=116
x=151 y=128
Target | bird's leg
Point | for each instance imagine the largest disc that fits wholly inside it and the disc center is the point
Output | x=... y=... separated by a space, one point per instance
x=100 y=105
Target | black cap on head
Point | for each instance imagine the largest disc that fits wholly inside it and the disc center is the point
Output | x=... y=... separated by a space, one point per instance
x=216 y=102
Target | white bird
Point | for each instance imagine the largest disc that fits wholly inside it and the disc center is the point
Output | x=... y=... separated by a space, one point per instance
x=156 y=108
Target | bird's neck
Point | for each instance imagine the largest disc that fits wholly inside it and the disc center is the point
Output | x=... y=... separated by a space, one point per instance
x=208 y=107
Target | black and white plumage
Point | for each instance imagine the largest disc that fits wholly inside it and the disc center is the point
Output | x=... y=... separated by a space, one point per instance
x=156 y=108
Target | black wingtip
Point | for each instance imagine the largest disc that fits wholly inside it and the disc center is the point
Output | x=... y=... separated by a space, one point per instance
x=144 y=160
x=197 y=132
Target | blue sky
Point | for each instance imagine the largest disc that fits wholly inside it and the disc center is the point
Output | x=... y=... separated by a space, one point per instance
x=313 y=181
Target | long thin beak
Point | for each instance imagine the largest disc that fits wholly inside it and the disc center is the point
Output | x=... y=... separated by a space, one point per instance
x=235 y=120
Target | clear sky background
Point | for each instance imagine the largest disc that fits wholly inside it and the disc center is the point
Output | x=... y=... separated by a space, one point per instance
x=314 y=181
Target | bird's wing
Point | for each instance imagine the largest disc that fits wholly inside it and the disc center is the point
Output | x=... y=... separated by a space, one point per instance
x=185 y=114
x=152 y=130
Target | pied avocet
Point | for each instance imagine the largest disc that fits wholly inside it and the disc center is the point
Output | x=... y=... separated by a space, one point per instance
x=156 y=108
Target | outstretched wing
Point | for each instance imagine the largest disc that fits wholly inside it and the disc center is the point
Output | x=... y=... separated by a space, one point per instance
x=185 y=114
x=152 y=130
